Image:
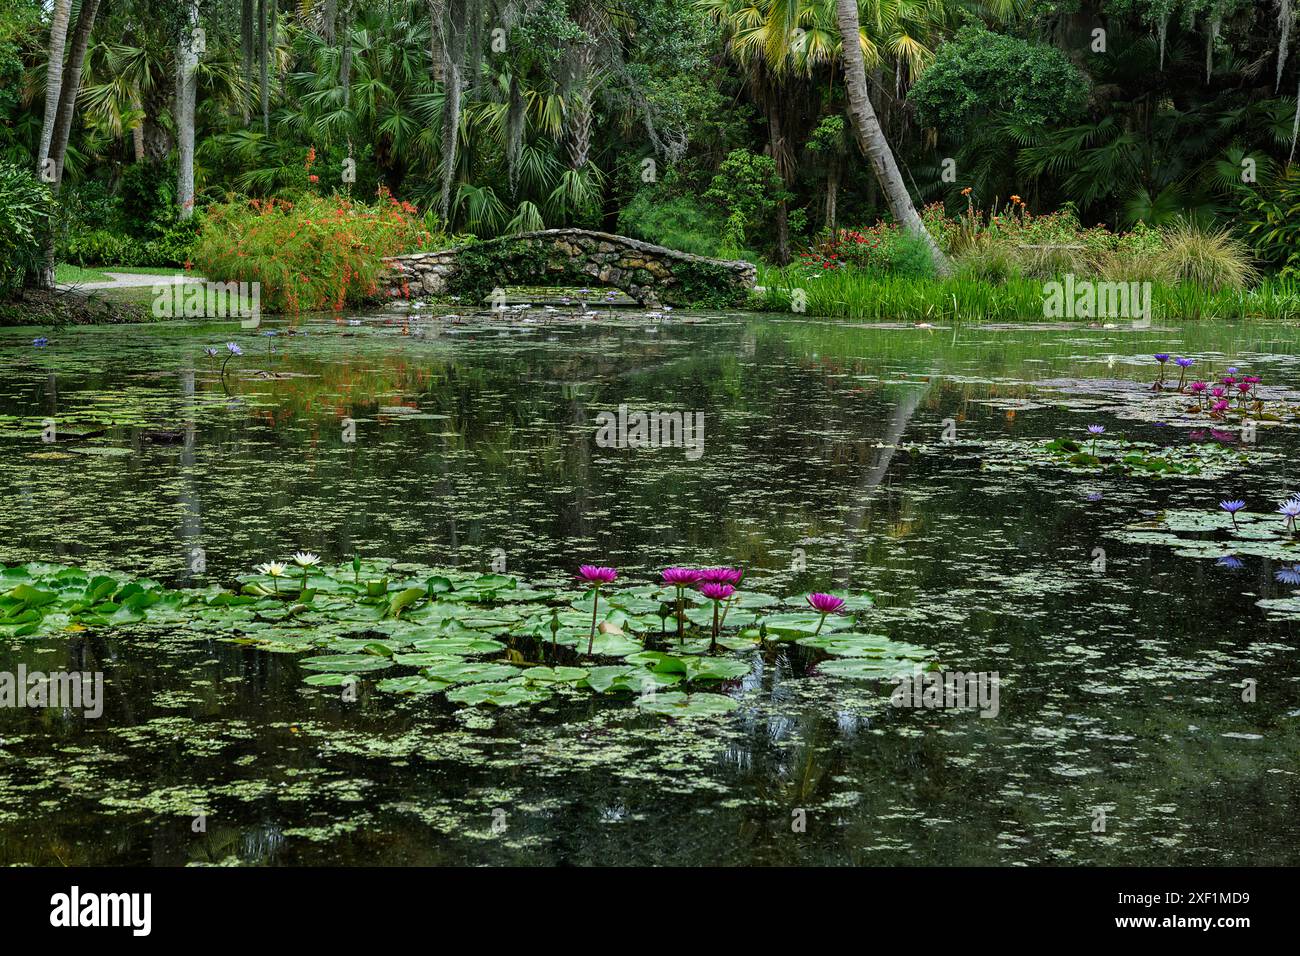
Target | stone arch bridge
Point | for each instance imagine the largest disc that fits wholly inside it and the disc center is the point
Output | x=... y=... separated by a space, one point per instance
x=650 y=274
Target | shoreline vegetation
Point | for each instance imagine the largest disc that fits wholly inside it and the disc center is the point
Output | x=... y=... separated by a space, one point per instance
x=1010 y=174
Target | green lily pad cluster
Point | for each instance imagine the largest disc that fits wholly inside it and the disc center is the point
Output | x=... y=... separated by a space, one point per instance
x=1193 y=533
x=1120 y=457
x=477 y=639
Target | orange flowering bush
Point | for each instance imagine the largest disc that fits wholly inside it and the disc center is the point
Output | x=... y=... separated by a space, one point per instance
x=312 y=253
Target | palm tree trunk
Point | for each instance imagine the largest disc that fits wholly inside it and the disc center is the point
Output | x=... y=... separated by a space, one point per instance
x=68 y=91
x=832 y=191
x=137 y=131
x=264 y=63
x=776 y=146
x=246 y=10
x=871 y=139
x=186 y=90
x=53 y=76
x=449 y=38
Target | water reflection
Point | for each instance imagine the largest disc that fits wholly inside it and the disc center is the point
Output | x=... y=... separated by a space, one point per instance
x=1121 y=689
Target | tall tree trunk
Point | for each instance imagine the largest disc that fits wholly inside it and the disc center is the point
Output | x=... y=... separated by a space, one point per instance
x=776 y=146
x=137 y=131
x=53 y=76
x=448 y=20
x=187 y=82
x=345 y=59
x=872 y=140
x=246 y=12
x=832 y=191
x=68 y=91
x=264 y=63
x=578 y=104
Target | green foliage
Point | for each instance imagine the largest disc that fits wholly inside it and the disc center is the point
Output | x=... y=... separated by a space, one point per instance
x=884 y=248
x=147 y=193
x=678 y=222
x=24 y=217
x=310 y=254
x=13 y=22
x=980 y=73
x=1271 y=221
x=746 y=188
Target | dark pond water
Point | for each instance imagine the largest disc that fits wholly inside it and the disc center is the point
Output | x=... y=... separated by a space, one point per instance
x=899 y=462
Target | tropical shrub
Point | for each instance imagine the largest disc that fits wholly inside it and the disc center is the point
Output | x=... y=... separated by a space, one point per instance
x=312 y=253
x=95 y=247
x=1271 y=220
x=24 y=217
x=746 y=189
x=980 y=73
x=678 y=223
x=883 y=248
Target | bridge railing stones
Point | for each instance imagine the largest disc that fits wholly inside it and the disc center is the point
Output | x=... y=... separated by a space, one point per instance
x=650 y=274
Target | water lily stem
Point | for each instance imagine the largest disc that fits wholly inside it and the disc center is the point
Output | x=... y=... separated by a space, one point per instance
x=713 y=644
x=595 y=606
x=820 y=624
x=681 y=610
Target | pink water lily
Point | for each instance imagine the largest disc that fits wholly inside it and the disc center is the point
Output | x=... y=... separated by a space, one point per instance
x=596 y=575
x=716 y=592
x=681 y=578
x=732 y=576
x=825 y=604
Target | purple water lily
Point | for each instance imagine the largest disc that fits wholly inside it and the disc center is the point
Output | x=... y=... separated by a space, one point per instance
x=1095 y=430
x=1290 y=508
x=1289 y=575
x=1232 y=507
x=40 y=342
x=234 y=351
x=1230 y=561
x=1161 y=359
x=1183 y=365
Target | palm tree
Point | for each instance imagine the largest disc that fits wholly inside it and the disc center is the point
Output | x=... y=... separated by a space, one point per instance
x=186 y=88
x=53 y=77
x=871 y=139
x=68 y=90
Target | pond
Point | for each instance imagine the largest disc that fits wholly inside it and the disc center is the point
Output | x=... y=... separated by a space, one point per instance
x=1148 y=703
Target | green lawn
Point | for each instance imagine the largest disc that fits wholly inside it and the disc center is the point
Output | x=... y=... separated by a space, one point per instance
x=70 y=274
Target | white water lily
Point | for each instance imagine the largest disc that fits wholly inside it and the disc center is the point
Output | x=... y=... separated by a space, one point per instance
x=273 y=568
x=305 y=559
